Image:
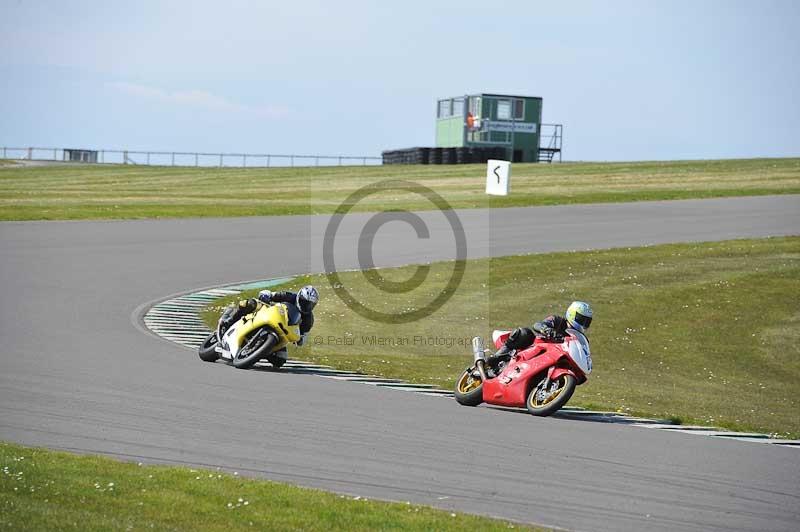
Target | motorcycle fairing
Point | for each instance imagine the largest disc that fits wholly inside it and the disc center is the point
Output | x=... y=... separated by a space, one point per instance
x=275 y=317
x=512 y=386
x=577 y=346
x=555 y=372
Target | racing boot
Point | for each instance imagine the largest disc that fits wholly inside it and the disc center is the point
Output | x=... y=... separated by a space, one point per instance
x=228 y=318
x=495 y=363
x=278 y=358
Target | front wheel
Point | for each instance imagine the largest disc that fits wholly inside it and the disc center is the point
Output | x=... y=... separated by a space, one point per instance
x=469 y=389
x=545 y=401
x=208 y=349
x=257 y=347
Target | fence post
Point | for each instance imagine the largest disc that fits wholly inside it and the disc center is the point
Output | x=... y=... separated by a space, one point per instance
x=173 y=158
x=102 y=156
x=4 y=152
x=268 y=161
x=195 y=159
x=244 y=161
x=220 y=160
x=292 y=158
x=55 y=157
x=125 y=157
x=365 y=161
x=30 y=154
x=340 y=160
x=148 y=158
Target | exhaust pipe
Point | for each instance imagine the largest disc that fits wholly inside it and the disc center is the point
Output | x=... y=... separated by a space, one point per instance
x=478 y=349
x=479 y=356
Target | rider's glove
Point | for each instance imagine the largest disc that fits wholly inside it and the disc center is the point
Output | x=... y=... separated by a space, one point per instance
x=265 y=296
x=549 y=333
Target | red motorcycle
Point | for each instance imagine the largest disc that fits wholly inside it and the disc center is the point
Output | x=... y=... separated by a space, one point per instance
x=541 y=377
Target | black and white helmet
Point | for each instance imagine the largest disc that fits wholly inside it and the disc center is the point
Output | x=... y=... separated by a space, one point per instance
x=307 y=299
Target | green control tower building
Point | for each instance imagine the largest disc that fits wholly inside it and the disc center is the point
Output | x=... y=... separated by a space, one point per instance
x=498 y=120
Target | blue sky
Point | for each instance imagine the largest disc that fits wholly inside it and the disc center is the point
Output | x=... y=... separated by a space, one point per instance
x=630 y=80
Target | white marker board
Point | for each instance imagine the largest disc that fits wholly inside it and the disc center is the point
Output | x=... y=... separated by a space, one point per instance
x=498 y=177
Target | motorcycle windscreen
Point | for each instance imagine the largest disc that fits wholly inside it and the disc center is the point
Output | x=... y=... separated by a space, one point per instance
x=578 y=347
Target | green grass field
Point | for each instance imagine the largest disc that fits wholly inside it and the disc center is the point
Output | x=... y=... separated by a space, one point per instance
x=704 y=333
x=47 y=490
x=112 y=191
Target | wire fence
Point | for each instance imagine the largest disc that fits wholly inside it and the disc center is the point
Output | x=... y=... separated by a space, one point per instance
x=176 y=158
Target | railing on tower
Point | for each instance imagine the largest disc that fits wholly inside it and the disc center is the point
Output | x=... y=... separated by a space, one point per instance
x=550 y=139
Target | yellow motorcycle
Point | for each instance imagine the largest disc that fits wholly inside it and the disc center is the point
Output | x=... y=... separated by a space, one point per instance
x=254 y=336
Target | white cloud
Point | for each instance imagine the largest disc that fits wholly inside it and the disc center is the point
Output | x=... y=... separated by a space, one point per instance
x=199 y=99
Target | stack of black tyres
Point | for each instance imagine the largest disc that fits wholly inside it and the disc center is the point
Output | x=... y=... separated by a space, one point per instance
x=448 y=155
x=421 y=155
x=498 y=152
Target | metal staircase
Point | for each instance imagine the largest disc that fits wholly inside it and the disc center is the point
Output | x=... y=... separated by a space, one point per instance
x=550 y=140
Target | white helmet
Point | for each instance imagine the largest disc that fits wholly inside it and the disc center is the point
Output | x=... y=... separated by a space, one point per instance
x=579 y=315
x=307 y=299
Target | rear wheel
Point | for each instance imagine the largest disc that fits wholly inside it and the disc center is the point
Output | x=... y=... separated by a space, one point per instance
x=469 y=389
x=258 y=346
x=546 y=400
x=207 y=349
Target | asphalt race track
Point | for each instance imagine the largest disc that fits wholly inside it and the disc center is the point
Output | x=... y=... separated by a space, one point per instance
x=79 y=373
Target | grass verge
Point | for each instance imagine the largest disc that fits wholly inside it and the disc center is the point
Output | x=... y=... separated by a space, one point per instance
x=62 y=192
x=702 y=333
x=48 y=490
